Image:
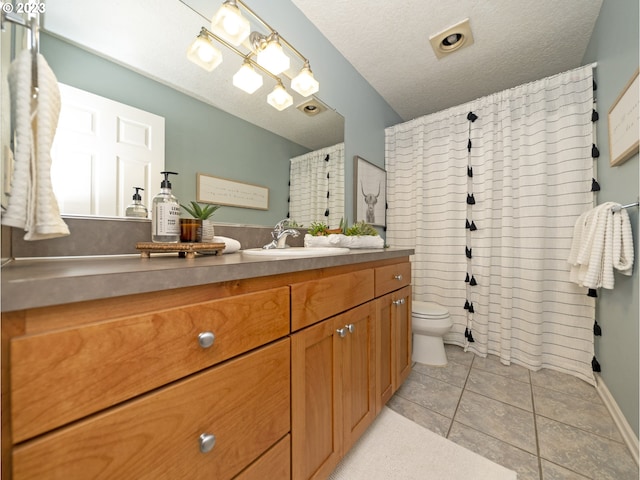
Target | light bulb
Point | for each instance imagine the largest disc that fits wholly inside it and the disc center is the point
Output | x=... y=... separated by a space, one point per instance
x=229 y=24
x=204 y=54
x=304 y=83
x=247 y=78
x=279 y=98
x=273 y=58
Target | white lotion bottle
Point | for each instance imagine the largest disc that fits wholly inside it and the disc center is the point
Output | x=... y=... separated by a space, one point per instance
x=165 y=216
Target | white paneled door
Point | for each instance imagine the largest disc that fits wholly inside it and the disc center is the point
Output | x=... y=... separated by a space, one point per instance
x=102 y=149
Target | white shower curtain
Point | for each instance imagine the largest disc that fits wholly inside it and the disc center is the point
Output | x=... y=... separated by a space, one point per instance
x=316 y=187
x=531 y=166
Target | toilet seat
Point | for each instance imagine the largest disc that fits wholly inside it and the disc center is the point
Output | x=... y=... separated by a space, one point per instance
x=429 y=310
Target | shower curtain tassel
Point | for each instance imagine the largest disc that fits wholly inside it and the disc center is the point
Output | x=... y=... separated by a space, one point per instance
x=597 y=331
x=467 y=252
x=470 y=199
x=473 y=282
x=467 y=224
x=595 y=186
x=595 y=153
x=473 y=227
x=471 y=308
x=466 y=333
x=466 y=304
x=470 y=337
x=594 y=116
x=470 y=172
x=326 y=212
x=469 y=146
x=595 y=365
x=466 y=280
x=592 y=293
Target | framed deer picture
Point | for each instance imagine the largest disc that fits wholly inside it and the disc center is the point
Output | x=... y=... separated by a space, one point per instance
x=370 y=192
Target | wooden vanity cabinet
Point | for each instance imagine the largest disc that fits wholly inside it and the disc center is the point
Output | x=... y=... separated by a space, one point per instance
x=296 y=368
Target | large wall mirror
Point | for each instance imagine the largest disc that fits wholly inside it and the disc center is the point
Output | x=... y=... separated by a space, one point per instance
x=135 y=53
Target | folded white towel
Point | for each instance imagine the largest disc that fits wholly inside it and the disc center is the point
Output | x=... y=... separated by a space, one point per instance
x=231 y=245
x=32 y=204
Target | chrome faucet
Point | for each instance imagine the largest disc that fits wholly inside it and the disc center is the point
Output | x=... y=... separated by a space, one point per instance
x=280 y=234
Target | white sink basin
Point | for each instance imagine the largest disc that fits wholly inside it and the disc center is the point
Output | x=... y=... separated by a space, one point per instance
x=295 y=252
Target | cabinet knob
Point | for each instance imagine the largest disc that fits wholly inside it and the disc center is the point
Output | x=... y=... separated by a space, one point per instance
x=206 y=339
x=398 y=277
x=351 y=327
x=207 y=442
x=342 y=332
x=400 y=301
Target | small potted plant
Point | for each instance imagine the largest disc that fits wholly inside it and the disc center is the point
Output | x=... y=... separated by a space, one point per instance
x=202 y=214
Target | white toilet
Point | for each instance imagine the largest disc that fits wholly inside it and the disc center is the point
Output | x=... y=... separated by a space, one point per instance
x=430 y=322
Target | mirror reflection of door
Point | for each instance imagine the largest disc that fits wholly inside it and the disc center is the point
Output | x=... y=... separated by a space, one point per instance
x=102 y=150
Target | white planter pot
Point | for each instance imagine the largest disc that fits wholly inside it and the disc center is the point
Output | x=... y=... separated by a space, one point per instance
x=207 y=231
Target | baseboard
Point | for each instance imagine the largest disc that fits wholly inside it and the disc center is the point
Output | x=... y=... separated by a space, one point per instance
x=628 y=435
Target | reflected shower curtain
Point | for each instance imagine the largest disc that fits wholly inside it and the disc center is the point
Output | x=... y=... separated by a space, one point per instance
x=316 y=187
x=521 y=174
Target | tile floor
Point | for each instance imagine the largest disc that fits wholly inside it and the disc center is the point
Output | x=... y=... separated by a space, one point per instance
x=544 y=425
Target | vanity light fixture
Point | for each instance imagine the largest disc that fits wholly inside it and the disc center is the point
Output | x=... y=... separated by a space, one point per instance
x=266 y=52
x=247 y=78
x=279 y=98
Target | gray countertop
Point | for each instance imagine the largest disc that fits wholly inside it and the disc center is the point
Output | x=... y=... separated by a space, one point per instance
x=32 y=283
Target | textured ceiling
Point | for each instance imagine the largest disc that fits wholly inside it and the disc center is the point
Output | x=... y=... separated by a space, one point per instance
x=516 y=41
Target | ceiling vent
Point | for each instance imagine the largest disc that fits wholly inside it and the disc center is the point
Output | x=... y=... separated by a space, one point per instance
x=312 y=107
x=452 y=39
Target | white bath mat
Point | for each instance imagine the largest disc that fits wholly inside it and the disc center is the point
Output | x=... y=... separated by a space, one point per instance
x=395 y=448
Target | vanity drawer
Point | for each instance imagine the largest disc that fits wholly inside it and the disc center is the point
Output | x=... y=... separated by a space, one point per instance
x=316 y=300
x=245 y=404
x=60 y=376
x=392 y=277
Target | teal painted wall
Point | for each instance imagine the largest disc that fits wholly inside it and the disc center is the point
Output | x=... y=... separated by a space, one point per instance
x=614 y=45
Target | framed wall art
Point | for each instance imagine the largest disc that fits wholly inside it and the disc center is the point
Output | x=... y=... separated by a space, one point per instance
x=624 y=128
x=370 y=192
x=221 y=191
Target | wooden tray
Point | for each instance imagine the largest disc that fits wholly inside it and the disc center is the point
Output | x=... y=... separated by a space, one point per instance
x=184 y=249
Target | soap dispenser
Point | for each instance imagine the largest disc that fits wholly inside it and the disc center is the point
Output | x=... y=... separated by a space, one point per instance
x=137 y=209
x=165 y=217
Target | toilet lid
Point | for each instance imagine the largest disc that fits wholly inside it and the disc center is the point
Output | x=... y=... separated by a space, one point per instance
x=429 y=309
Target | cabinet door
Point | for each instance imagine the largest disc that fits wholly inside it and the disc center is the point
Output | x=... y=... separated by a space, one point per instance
x=385 y=334
x=358 y=369
x=316 y=402
x=401 y=315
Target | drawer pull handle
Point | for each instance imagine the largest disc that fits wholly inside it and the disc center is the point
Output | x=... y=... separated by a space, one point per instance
x=207 y=442
x=205 y=339
x=342 y=332
x=398 y=277
x=400 y=301
x=351 y=327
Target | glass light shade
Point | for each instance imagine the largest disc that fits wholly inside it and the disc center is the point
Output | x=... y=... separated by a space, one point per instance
x=279 y=98
x=273 y=58
x=304 y=83
x=247 y=78
x=229 y=24
x=203 y=53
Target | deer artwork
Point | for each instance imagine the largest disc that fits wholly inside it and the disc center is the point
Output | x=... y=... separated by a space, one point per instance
x=370 y=199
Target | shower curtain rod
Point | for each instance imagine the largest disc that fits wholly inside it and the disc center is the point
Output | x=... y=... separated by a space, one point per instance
x=617 y=209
